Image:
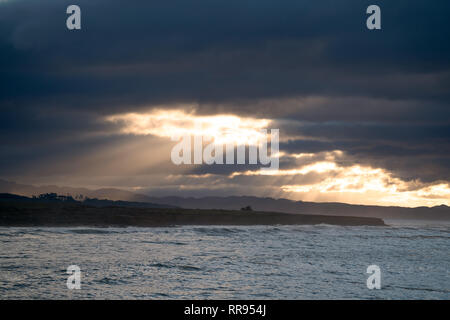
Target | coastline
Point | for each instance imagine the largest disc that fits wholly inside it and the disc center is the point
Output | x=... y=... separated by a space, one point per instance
x=62 y=215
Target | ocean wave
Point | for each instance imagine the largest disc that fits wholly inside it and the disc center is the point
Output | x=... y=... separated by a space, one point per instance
x=92 y=231
x=175 y=266
x=214 y=231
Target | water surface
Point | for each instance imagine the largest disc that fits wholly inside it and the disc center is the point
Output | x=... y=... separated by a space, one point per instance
x=218 y=262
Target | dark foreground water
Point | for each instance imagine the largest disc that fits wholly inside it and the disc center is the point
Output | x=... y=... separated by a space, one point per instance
x=214 y=262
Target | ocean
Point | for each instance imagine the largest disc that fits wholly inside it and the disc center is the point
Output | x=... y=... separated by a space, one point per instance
x=224 y=262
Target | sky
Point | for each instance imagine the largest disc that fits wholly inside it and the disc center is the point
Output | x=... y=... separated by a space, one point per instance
x=363 y=115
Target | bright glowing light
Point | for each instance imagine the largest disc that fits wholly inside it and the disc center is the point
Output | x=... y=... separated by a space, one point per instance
x=326 y=178
x=358 y=184
x=302 y=155
x=318 y=167
x=168 y=123
x=355 y=184
x=435 y=191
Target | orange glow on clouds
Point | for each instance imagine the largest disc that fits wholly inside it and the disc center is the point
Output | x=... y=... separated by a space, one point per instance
x=357 y=184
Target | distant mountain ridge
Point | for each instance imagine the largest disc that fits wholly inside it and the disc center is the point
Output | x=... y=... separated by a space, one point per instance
x=236 y=202
x=324 y=208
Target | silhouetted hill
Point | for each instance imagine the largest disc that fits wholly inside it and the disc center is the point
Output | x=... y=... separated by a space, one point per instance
x=237 y=202
x=120 y=203
x=13 y=197
x=55 y=198
x=327 y=208
x=59 y=214
x=105 y=193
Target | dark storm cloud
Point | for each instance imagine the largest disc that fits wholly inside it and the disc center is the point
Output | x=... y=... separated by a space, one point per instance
x=383 y=97
x=411 y=151
x=150 y=52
